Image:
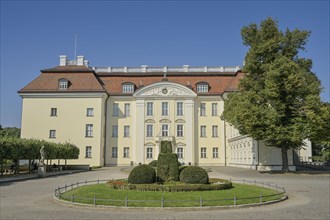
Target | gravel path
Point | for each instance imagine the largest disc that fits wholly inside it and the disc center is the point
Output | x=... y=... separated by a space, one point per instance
x=32 y=199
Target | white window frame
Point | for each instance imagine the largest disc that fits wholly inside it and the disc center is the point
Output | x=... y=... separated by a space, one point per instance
x=150 y=130
x=165 y=130
x=203 y=130
x=126 y=130
x=202 y=87
x=126 y=152
x=114 y=130
x=150 y=108
x=88 y=152
x=165 y=109
x=114 y=152
x=53 y=112
x=63 y=84
x=179 y=130
x=127 y=109
x=203 y=152
x=215 y=152
x=215 y=131
x=179 y=152
x=90 y=112
x=179 y=108
x=214 y=109
x=89 y=130
x=203 y=109
x=115 y=110
x=52 y=133
x=149 y=152
x=128 y=88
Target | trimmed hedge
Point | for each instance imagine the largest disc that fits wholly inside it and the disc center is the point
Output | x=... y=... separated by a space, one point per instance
x=195 y=175
x=166 y=147
x=142 y=174
x=216 y=184
x=168 y=167
x=153 y=163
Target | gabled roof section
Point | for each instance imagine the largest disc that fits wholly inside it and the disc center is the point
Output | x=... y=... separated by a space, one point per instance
x=81 y=78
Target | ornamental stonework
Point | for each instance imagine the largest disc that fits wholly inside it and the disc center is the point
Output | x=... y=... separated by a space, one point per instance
x=165 y=91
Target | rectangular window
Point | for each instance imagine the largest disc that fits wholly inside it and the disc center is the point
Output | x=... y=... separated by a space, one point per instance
x=114 y=130
x=214 y=109
x=89 y=130
x=127 y=109
x=215 y=131
x=53 y=112
x=126 y=131
x=63 y=84
x=114 y=153
x=179 y=130
x=149 y=153
x=179 y=108
x=203 y=109
x=90 y=112
x=52 y=134
x=88 y=152
x=164 y=130
x=203 y=152
x=202 y=88
x=164 y=108
x=215 y=152
x=150 y=108
x=126 y=152
x=203 y=131
x=149 y=130
x=128 y=88
x=180 y=152
x=115 y=110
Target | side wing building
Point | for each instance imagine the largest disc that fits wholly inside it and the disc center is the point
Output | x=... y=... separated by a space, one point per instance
x=118 y=116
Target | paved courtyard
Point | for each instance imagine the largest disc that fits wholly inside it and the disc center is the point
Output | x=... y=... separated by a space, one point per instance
x=33 y=199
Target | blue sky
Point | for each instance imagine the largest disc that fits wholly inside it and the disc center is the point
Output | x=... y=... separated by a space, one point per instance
x=133 y=33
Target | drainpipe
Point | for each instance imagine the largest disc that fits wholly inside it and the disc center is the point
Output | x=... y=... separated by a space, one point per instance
x=105 y=129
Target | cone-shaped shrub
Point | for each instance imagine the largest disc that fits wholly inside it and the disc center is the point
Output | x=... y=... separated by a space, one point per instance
x=142 y=174
x=195 y=175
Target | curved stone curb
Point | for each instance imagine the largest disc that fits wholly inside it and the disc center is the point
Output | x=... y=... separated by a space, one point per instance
x=75 y=204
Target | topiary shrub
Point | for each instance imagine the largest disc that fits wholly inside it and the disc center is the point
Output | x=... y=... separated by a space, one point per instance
x=168 y=168
x=142 y=174
x=196 y=175
x=166 y=147
x=153 y=163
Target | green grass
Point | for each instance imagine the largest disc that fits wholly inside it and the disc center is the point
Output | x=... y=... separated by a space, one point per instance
x=103 y=194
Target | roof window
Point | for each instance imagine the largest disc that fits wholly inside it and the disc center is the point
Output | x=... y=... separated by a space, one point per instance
x=202 y=87
x=63 y=84
x=128 y=87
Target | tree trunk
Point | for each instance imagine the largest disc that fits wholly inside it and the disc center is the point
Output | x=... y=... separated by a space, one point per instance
x=66 y=165
x=285 y=164
x=29 y=165
x=1 y=167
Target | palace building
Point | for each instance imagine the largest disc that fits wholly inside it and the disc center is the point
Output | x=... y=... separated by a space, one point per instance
x=118 y=116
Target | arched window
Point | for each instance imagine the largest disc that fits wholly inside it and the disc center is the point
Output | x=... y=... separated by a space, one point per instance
x=63 y=84
x=202 y=87
x=128 y=87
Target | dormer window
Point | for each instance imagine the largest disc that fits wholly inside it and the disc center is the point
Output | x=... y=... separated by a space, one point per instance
x=128 y=87
x=202 y=87
x=63 y=84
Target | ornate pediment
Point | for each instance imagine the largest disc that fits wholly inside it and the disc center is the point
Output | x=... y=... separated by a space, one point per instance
x=165 y=89
x=180 y=144
x=165 y=121
x=180 y=121
x=150 y=121
x=150 y=144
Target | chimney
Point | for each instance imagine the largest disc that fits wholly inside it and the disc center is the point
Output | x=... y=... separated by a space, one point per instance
x=62 y=60
x=80 y=60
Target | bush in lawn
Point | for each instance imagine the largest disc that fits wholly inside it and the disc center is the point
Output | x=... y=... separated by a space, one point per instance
x=196 y=175
x=168 y=164
x=153 y=163
x=142 y=174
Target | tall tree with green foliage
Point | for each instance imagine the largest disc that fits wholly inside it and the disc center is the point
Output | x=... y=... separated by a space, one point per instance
x=10 y=132
x=278 y=100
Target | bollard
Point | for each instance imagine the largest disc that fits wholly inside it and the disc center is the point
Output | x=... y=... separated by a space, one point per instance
x=72 y=198
x=98 y=181
x=126 y=201
x=94 y=200
x=244 y=181
x=86 y=182
x=201 y=202
x=260 y=198
x=65 y=188
x=77 y=183
x=162 y=201
x=234 y=200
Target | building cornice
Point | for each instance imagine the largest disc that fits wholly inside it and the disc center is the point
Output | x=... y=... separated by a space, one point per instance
x=64 y=95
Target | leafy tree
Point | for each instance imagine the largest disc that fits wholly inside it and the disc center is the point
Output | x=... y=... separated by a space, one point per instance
x=278 y=100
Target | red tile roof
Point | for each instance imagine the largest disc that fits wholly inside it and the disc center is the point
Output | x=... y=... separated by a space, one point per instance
x=84 y=79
